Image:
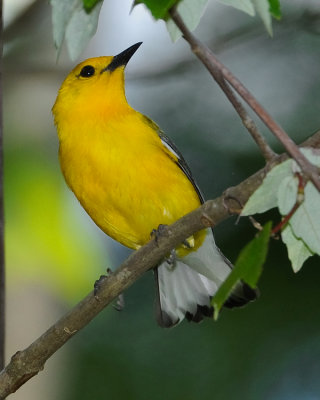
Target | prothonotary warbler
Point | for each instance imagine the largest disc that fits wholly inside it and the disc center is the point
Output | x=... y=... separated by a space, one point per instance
x=130 y=178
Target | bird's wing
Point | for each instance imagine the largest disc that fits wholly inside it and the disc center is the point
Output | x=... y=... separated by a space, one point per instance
x=178 y=158
x=186 y=289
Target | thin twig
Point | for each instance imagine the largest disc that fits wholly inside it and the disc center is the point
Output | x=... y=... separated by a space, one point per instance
x=212 y=64
x=265 y=149
x=27 y=363
x=2 y=264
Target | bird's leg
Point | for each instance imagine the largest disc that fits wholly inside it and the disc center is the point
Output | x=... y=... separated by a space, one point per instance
x=119 y=306
x=98 y=282
x=157 y=233
x=171 y=260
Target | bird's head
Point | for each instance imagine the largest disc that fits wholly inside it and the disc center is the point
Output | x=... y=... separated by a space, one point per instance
x=93 y=86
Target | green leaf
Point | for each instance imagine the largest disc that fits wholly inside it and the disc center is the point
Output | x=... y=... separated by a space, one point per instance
x=313 y=155
x=191 y=12
x=280 y=189
x=274 y=8
x=265 y=8
x=298 y=251
x=248 y=267
x=81 y=27
x=262 y=8
x=73 y=22
x=242 y=5
x=265 y=197
x=158 y=8
x=287 y=194
x=305 y=222
x=61 y=14
x=90 y=4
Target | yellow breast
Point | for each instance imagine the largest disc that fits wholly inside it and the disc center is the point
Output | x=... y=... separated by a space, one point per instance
x=125 y=178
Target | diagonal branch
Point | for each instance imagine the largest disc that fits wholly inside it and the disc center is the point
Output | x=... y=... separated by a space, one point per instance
x=265 y=149
x=216 y=68
x=27 y=363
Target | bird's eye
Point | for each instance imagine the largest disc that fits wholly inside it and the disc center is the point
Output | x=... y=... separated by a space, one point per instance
x=87 y=71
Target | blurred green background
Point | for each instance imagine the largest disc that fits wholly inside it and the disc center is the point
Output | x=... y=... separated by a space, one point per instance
x=54 y=252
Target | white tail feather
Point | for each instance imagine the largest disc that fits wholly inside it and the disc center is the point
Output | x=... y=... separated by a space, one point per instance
x=190 y=282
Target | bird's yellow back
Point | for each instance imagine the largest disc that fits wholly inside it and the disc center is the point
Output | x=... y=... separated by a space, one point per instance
x=114 y=160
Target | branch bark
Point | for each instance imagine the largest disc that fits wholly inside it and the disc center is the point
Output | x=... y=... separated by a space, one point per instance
x=27 y=363
x=218 y=70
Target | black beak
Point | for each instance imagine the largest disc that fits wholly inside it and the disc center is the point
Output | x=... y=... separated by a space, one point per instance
x=122 y=58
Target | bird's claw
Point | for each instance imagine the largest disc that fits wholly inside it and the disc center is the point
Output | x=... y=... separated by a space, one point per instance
x=171 y=259
x=188 y=243
x=157 y=233
x=98 y=282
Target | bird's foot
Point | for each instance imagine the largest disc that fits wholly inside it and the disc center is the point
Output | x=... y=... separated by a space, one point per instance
x=157 y=233
x=171 y=260
x=98 y=282
x=161 y=231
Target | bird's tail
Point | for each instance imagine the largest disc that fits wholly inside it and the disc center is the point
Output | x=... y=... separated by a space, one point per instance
x=185 y=288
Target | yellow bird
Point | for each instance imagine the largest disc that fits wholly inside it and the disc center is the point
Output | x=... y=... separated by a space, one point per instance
x=130 y=178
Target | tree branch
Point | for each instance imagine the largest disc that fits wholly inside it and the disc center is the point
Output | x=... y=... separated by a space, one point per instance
x=218 y=70
x=27 y=363
x=265 y=149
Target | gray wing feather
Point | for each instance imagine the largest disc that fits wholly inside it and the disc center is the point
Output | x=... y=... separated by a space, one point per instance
x=181 y=162
x=242 y=294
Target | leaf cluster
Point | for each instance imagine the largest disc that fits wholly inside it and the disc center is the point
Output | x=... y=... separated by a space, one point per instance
x=76 y=21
